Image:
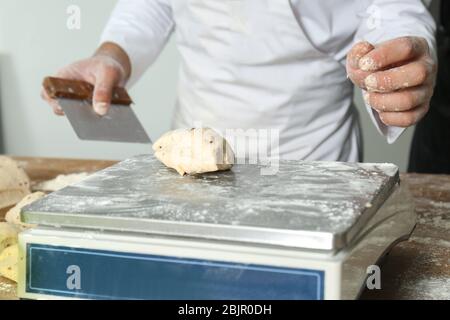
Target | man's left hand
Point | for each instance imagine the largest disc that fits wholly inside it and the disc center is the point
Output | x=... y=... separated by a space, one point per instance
x=398 y=77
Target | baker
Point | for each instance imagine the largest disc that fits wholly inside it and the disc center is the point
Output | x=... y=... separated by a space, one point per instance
x=279 y=65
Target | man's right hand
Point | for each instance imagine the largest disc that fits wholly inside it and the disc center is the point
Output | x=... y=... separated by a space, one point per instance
x=108 y=68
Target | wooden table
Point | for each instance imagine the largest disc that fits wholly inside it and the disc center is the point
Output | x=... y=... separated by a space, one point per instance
x=415 y=269
x=420 y=268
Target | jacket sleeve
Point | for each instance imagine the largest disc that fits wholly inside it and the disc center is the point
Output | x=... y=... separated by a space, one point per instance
x=389 y=19
x=141 y=28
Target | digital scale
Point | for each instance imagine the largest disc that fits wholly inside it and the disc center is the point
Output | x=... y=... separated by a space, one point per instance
x=138 y=230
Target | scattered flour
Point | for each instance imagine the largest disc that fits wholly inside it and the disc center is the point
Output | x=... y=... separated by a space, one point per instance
x=430 y=288
x=60 y=182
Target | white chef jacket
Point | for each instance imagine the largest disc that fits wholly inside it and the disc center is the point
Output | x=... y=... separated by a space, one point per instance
x=268 y=64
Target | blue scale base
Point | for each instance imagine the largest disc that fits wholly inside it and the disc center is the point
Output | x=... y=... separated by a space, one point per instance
x=98 y=274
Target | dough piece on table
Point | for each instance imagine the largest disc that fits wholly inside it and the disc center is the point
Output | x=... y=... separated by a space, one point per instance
x=61 y=181
x=9 y=259
x=14 y=182
x=13 y=215
x=194 y=151
x=8 y=235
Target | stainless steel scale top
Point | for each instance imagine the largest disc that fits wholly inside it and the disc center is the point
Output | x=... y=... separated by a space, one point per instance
x=313 y=205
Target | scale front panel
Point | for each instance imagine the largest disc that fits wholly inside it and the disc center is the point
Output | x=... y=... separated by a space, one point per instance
x=86 y=273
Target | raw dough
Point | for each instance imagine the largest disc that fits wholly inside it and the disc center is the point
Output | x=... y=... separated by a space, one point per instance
x=13 y=215
x=60 y=182
x=14 y=182
x=194 y=151
x=9 y=259
x=9 y=252
x=8 y=235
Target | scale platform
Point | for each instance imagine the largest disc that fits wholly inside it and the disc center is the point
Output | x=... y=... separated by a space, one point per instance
x=138 y=230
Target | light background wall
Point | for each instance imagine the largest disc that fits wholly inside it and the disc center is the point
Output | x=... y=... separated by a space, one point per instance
x=35 y=42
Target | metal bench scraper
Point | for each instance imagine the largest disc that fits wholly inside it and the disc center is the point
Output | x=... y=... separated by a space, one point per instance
x=120 y=124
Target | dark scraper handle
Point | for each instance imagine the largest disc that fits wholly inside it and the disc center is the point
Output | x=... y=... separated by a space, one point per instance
x=80 y=90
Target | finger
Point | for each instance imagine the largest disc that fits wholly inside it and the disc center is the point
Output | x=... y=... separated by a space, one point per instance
x=358 y=51
x=52 y=102
x=404 y=119
x=76 y=71
x=106 y=80
x=393 y=52
x=46 y=97
x=410 y=75
x=400 y=100
x=68 y=72
x=58 y=111
x=358 y=77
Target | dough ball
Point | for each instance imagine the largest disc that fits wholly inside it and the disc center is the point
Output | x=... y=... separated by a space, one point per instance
x=194 y=151
x=9 y=259
x=14 y=182
x=8 y=235
x=13 y=215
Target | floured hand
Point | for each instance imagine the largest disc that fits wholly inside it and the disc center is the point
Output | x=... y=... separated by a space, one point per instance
x=398 y=77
